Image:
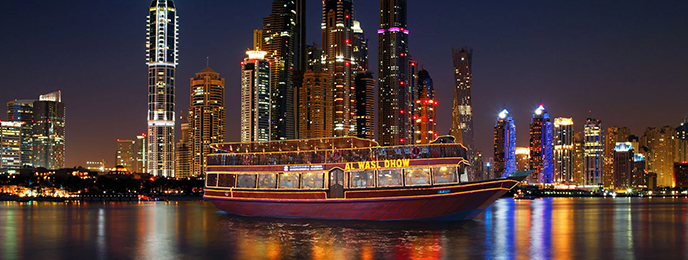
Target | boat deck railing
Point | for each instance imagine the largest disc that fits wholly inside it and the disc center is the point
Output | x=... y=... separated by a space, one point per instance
x=340 y=155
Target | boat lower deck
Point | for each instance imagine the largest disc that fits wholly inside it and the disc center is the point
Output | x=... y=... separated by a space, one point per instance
x=454 y=202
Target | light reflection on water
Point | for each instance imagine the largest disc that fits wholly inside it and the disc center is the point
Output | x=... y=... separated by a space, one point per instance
x=563 y=228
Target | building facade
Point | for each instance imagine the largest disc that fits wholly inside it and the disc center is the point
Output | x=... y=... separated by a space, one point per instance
x=10 y=145
x=22 y=111
x=425 y=115
x=541 y=149
x=206 y=117
x=682 y=142
x=593 y=152
x=315 y=106
x=522 y=158
x=125 y=156
x=660 y=156
x=395 y=101
x=462 y=107
x=161 y=44
x=141 y=165
x=337 y=59
x=504 y=145
x=680 y=179
x=623 y=166
x=184 y=151
x=365 y=105
x=48 y=139
x=279 y=41
x=563 y=150
x=255 y=97
x=614 y=135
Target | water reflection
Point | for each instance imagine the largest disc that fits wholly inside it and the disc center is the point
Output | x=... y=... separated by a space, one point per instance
x=563 y=228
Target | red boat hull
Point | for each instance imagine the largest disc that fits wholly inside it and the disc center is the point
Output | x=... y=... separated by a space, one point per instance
x=457 y=202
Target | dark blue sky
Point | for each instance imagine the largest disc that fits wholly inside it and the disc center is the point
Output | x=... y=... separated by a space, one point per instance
x=626 y=61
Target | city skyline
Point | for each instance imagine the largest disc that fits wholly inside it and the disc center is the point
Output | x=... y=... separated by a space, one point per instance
x=535 y=63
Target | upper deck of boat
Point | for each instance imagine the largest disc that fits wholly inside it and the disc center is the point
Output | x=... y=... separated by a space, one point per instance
x=300 y=145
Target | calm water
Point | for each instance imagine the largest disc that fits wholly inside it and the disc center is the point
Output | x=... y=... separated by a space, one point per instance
x=585 y=228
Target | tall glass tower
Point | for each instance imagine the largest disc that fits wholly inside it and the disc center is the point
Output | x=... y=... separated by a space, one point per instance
x=337 y=39
x=255 y=97
x=541 y=146
x=161 y=45
x=395 y=123
x=504 y=145
x=462 y=107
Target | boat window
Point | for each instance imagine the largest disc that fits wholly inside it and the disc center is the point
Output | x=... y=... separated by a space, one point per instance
x=389 y=178
x=418 y=177
x=313 y=180
x=444 y=175
x=246 y=181
x=362 y=179
x=226 y=180
x=267 y=181
x=289 y=181
x=211 y=180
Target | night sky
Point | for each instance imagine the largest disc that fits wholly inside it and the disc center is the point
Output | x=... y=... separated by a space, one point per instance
x=625 y=61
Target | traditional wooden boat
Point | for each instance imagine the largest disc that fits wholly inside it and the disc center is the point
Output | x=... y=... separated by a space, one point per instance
x=347 y=178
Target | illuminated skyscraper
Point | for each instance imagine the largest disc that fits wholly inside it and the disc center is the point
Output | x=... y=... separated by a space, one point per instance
x=395 y=103
x=49 y=131
x=563 y=150
x=365 y=105
x=183 y=153
x=661 y=145
x=337 y=42
x=593 y=148
x=141 y=166
x=614 y=135
x=360 y=49
x=163 y=34
x=364 y=85
x=541 y=142
x=255 y=97
x=522 y=158
x=10 y=145
x=680 y=178
x=22 y=111
x=125 y=154
x=425 y=114
x=462 y=107
x=206 y=117
x=504 y=145
x=682 y=142
x=623 y=166
x=279 y=41
x=315 y=106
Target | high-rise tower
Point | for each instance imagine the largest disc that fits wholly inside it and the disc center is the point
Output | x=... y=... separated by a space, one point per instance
x=593 y=149
x=563 y=150
x=425 y=114
x=462 y=107
x=206 y=116
x=10 y=145
x=22 y=111
x=161 y=45
x=279 y=42
x=337 y=42
x=541 y=146
x=48 y=138
x=255 y=97
x=614 y=135
x=125 y=154
x=395 y=123
x=504 y=145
